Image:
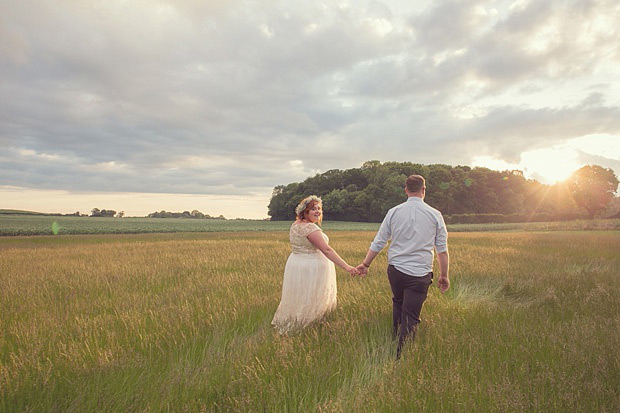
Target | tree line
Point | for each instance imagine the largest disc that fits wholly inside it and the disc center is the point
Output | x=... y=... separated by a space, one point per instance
x=96 y=212
x=365 y=194
x=195 y=214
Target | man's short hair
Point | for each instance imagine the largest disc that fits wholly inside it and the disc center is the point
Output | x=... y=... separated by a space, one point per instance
x=415 y=183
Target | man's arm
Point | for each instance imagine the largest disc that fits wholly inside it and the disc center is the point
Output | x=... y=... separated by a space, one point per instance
x=381 y=239
x=444 y=263
x=363 y=267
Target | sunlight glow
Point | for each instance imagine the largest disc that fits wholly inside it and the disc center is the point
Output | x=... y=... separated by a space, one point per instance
x=547 y=166
x=557 y=163
x=600 y=145
x=550 y=165
x=494 y=163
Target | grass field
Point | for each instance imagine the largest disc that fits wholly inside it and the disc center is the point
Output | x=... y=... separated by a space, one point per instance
x=22 y=224
x=68 y=225
x=181 y=322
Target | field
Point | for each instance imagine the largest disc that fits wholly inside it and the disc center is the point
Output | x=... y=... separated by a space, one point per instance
x=68 y=225
x=181 y=322
x=12 y=224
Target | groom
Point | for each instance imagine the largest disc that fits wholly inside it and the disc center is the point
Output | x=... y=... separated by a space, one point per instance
x=416 y=230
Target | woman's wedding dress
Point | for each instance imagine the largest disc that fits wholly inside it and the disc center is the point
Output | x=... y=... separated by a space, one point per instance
x=309 y=286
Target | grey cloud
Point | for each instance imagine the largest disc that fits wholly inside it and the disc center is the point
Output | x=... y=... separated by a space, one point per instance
x=122 y=97
x=507 y=132
x=447 y=25
x=494 y=48
x=605 y=162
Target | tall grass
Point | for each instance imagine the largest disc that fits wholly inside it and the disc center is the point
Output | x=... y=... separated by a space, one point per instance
x=181 y=322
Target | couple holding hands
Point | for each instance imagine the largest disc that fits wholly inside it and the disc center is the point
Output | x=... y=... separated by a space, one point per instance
x=415 y=231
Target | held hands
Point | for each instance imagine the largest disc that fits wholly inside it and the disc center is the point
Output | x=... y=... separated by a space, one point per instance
x=352 y=270
x=362 y=270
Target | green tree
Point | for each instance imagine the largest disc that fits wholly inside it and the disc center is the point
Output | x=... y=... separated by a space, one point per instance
x=336 y=204
x=439 y=187
x=593 y=188
x=197 y=214
x=284 y=199
x=108 y=212
x=365 y=194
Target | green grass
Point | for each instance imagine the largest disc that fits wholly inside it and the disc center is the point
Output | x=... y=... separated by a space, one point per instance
x=18 y=212
x=68 y=225
x=181 y=322
x=11 y=225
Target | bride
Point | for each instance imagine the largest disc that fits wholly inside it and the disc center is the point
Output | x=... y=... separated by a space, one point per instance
x=309 y=285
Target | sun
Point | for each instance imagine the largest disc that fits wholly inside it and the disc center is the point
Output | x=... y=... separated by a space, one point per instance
x=550 y=165
x=547 y=166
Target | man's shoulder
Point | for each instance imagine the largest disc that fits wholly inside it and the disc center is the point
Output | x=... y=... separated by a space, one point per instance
x=397 y=207
x=431 y=210
x=435 y=210
x=423 y=205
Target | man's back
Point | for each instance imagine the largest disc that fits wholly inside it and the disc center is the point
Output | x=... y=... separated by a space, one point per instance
x=415 y=229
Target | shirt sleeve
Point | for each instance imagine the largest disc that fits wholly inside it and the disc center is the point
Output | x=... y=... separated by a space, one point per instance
x=383 y=235
x=441 y=236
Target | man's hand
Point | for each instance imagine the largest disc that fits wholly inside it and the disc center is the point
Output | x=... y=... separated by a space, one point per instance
x=362 y=269
x=443 y=283
x=352 y=270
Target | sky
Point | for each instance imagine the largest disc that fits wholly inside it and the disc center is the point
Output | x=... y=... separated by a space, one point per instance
x=150 y=105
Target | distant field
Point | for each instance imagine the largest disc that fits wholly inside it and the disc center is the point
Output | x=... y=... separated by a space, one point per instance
x=181 y=322
x=18 y=212
x=69 y=225
x=47 y=225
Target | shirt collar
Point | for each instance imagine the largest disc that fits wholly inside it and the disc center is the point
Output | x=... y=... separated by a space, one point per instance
x=414 y=199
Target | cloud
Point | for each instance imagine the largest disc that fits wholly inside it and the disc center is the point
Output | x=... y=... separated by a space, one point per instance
x=223 y=97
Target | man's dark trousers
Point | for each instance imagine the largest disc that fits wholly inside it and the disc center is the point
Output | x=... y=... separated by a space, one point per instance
x=408 y=295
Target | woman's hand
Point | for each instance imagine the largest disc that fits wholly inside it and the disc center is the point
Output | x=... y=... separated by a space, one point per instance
x=352 y=270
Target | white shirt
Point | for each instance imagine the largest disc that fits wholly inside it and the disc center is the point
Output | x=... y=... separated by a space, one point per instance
x=416 y=229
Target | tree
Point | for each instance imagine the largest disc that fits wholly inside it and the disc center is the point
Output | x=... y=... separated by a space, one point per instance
x=197 y=214
x=96 y=212
x=593 y=188
x=108 y=212
x=366 y=193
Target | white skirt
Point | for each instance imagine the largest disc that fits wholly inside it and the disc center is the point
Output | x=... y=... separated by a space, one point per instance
x=308 y=291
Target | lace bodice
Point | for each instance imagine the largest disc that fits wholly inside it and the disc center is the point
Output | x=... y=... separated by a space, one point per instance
x=298 y=237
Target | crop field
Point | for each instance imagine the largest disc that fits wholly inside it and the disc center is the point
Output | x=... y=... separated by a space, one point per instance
x=14 y=224
x=68 y=225
x=181 y=322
